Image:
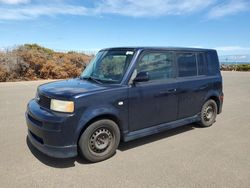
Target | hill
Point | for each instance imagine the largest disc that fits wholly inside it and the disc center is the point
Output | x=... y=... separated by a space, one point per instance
x=32 y=62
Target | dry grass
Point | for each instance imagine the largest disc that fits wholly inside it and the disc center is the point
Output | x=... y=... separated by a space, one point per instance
x=32 y=62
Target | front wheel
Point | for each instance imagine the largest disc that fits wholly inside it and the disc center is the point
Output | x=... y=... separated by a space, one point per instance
x=208 y=113
x=100 y=140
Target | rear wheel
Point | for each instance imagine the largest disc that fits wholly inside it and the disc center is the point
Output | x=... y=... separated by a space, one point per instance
x=208 y=113
x=100 y=140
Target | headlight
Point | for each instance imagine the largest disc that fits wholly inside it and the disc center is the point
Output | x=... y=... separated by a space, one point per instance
x=62 y=106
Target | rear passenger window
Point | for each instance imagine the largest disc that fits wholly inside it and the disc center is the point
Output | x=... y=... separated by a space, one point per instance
x=202 y=64
x=213 y=63
x=159 y=65
x=186 y=64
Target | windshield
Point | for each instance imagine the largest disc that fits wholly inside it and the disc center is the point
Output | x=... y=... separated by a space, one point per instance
x=108 y=66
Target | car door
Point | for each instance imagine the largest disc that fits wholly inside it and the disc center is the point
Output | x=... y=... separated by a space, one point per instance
x=153 y=102
x=193 y=83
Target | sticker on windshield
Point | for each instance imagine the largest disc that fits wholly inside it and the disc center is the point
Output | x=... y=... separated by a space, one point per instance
x=129 y=53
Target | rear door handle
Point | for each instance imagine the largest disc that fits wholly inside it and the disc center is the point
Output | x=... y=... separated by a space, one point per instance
x=203 y=87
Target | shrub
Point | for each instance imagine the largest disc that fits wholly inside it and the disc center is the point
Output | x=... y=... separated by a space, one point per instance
x=243 y=67
x=3 y=74
x=240 y=67
x=31 y=62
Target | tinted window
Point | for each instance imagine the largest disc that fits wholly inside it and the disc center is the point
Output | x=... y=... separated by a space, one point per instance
x=159 y=65
x=186 y=64
x=213 y=62
x=202 y=65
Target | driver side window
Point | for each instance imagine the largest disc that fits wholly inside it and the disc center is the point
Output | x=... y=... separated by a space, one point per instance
x=158 y=65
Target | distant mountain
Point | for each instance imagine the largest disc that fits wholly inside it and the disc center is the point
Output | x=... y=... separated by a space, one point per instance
x=235 y=59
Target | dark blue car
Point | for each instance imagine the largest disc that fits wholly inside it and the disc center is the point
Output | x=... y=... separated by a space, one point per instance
x=125 y=94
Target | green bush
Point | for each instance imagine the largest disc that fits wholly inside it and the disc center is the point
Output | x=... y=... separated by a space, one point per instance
x=243 y=67
x=240 y=67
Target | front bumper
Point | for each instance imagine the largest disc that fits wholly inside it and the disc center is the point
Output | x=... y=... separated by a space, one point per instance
x=51 y=133
x=56 y=152
x=221 y=99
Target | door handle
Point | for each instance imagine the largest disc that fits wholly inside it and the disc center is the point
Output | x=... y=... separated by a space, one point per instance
x=171 y=91
x=164 y=93
x=203 y=87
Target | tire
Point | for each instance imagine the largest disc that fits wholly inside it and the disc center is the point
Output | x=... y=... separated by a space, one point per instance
x=208 y=113
x=100 y=140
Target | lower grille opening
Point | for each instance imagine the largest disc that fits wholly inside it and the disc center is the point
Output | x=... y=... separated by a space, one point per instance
x=35 y=121
x=37 y=138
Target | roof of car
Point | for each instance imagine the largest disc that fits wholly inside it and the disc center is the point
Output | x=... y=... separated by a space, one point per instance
x=159 y=48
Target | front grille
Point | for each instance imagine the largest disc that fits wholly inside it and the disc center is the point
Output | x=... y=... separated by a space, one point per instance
x=44 y=101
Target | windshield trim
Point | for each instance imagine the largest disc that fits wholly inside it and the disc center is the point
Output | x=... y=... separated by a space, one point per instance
x=127 y=76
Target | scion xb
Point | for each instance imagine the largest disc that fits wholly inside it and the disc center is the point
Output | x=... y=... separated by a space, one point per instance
x=125 y=94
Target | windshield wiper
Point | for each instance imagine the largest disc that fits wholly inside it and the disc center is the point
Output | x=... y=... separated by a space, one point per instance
x=93 y=79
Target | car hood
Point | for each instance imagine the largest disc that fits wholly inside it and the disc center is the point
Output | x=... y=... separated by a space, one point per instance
x=68 y=89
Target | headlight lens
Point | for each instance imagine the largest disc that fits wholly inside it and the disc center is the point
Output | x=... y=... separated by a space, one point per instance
x=62 y=106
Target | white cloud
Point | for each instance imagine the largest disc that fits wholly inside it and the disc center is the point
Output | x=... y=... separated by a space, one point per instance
x=232 y=48
x=30 y=12
x=149 y=8
x=229 y=8
x=14 y=1
x=27 y=9
x=134 y=8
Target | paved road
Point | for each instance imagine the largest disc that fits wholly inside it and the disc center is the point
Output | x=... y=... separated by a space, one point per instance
x=218 y=156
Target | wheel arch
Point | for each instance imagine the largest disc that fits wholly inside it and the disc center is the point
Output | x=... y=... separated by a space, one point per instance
x=108 y=116
x=216 y=98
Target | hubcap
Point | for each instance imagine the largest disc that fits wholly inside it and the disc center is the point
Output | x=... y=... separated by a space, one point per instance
x=208 y=113
x=100 y=140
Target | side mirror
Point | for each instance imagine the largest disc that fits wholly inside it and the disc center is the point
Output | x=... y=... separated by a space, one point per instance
x=142 y=77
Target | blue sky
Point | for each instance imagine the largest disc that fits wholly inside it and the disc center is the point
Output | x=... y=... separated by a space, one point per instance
x=95 y=24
